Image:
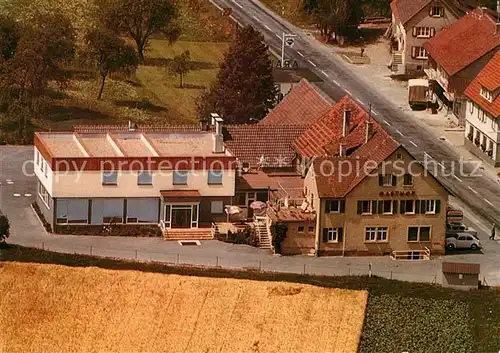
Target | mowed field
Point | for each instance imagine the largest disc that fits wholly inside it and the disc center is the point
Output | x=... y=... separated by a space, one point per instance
x=52 y=308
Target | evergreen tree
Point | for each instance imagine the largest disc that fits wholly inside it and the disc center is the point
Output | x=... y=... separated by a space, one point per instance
x=244 y=90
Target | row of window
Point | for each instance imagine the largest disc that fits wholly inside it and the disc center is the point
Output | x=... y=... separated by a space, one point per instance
x=146 y=178
x=388 y=207
x=424 y=32
x=41 y=162
x=482 y=116
x=378 y=234
x=44 y=195
x=392 y=180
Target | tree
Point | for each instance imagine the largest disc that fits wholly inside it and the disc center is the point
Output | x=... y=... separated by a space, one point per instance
x=339 y=17
x=181 y=65
x=4 y=228
x=109 y=53
x=10 y=33
x=244 y=89
x=140 y=19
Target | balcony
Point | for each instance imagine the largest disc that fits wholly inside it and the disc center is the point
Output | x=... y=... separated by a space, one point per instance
x=442 y=80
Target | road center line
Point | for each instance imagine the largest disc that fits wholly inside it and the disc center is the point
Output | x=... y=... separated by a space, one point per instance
x=413 y=143
x=387 y=123
x=488 y=202
x=324 y=73
x=460 y=180
x=268 y=28
x=237 y=4
x=256 y=18
x=474 y=191
x=338 y=84
x=399 y=132
x=313 y=64
x=298 y=52
x=349 y=93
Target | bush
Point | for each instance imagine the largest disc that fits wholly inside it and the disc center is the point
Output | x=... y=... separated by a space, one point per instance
x=244 y=236
x=40 y=215
x=278 y=231
x=4 y=228
x=119 y=230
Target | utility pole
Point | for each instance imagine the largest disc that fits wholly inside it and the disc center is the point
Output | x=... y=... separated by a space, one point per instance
x=289 y=40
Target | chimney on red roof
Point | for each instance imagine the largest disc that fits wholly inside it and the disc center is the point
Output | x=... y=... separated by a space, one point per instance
x=343 y=150
x=369 y=130
x=345 y=124
x=218 y=145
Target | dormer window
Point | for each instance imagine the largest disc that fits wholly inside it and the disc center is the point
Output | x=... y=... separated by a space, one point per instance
x=436 y=11
x=487 y=94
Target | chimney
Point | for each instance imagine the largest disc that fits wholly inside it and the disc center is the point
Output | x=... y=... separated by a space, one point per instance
x=217 y=136
x=239 y=168
x=287 y=202
x=369 y=130
x=343 y=150
x=132 y=126
x=345 y=125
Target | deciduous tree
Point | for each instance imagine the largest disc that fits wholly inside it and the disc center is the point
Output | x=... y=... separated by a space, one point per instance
x=244 y=89
x=140 y=19
x=337 y=16
x=181 y=65
x=109 y=53
x=10 y=33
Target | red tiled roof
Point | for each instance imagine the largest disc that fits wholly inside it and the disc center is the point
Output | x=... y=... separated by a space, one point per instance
x=255 y=179
x=249 y=142
x=291 y=214
x=488 y=78
x=324 y=137
x=461 y=267
x=180 y=193
x=302 y=106
x=464 y=42
x=404 y=10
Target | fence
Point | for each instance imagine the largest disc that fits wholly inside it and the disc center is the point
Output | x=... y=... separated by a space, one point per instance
x=247 y=259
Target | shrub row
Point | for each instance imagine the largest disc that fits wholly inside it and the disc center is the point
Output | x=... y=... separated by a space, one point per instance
x=120 y=230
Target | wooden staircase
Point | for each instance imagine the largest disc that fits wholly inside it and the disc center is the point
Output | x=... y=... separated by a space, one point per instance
x=188 y=234
x=262 y=234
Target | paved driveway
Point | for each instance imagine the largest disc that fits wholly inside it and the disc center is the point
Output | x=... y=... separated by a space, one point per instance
x=17 y=192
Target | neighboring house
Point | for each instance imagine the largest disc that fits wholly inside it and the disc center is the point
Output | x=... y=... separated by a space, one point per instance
x=302 y=106
x=370 y=196
x=482 y=130
x=457 y=54
x=286 y=79
x=413 y=23
x=460 y=275
x=174 y=179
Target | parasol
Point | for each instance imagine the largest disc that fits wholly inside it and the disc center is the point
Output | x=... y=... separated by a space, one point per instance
x=258 y=205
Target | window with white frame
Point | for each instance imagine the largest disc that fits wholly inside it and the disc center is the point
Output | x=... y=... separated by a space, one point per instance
x=109 y=178
x=408 y=206
x=419 y=233
x=423 y=32
x=387 y=207
x=436 y=11
x=145 y=178
x=180 y=177
x=215 y=177
x=370 y=233
x=44 y=195
x=430 y=206
x=420 y=53
x=382 y=234
x=366 y=207
x=217 y=207
x=487 y=94
x=46 y=168
x=373 y=234
x=332 y=235
x=386 y=180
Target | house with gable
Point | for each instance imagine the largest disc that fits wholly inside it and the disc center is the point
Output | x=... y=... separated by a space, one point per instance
x=413 y=23
x=482 y=129
x=458 y=53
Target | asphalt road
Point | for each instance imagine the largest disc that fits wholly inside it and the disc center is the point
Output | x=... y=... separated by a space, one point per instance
x=464 y=179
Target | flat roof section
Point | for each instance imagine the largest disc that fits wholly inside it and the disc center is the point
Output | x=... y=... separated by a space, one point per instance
x=185 y=144
x=63 y=145
x=132 y=145
x=97 y=145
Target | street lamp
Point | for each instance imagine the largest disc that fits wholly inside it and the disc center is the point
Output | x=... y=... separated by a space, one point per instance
x=289 y=40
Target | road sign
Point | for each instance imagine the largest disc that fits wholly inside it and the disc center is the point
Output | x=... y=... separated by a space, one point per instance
x=287 y=64
x=227 y=12
x=289 y=41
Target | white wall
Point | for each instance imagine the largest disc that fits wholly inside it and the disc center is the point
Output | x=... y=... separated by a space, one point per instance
x=487 y=126
x=89 y=184
x=45 y=180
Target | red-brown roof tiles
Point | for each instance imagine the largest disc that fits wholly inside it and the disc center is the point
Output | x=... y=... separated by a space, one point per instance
x=461 y=268
x=404 y=10
x=488 y=78
x=464 y=42
x=302 y=106
x=180 y=193
x=274 y=142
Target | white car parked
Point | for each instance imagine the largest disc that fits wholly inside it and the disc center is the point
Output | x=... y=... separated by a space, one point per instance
x=462 y=241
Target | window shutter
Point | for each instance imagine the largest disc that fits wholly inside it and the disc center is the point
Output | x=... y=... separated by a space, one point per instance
x=441 y=11
x=417 y=205
x=438 y=206
x=359 y=207
x=394 y=180
x=328 y=206
x=422 y=207
x=403 y=206
x=380 y=180
x=342 y=206
x=413 y=52
x=374 y=206
x=380 y=206
x=433 y=32
x=430 y=10
x=415 y=29
x=325 y=235
x=395 y=206
x=340 y=234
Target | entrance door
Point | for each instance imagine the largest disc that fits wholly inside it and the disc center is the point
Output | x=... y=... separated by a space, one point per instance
x=181 y=218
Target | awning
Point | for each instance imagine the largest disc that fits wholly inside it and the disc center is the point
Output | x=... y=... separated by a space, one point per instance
x=180 y=193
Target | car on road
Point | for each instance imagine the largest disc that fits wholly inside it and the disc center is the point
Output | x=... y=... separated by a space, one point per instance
x=462 y=241
x=455 y=228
